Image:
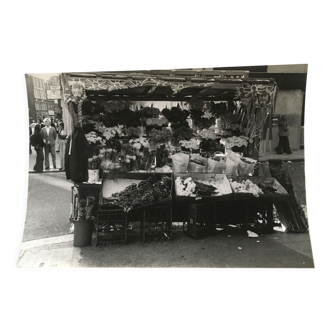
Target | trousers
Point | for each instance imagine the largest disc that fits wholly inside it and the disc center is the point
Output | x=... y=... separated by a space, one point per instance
x=50 y=149
x=283 y=146
x=62 y=144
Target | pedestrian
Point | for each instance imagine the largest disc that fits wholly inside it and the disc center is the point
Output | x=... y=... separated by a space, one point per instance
x=57 y=145
x=62 y=137
x=52 y=123
x=41 y=123
x=49 y=136
x=30 y=134
x=36 y=140
x=283 y=146
x=32 y=126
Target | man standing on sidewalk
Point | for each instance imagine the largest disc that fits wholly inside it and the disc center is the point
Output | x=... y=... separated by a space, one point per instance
x=49 y=136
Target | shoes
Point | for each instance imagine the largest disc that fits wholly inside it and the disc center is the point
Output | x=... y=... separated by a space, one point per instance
x=289 y=152
x=57 y=151
x=60 y=169
x=47 y=168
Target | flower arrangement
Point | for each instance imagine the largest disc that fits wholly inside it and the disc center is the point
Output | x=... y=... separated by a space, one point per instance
x=149 y=112
x=139 y=143
x=207 y=134
x=158 y=122
x=235 y=141
x=192 y=144
x=202 y=118
x=132 y=131
x=94 y=162
x=194 y=188
x=93 y=138
x=245 y=186
x=175 y=115
x=182 y=133
x=145 y=193
x=162 y=135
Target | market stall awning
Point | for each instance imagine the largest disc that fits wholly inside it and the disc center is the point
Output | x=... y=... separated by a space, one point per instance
x=167 y=85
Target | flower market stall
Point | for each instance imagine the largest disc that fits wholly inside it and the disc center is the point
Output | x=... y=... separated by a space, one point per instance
x=167 y=146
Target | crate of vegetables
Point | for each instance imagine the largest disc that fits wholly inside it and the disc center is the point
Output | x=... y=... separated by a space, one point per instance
x=129 y=191
x=205 y=187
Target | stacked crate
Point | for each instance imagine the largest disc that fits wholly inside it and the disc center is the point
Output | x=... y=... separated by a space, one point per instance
x=200 y=220
x=111 y=226
x=157 y=223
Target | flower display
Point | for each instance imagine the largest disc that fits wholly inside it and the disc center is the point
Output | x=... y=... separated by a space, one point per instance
x=185 y=187
x=182 y=133
x=207 y=134
x=202 y=118
x=192 y=144
x=235 y=141
x=139 y=143
x=207 y=115
x=145 y=193
x=132 y=131
x=93 y=138
x=245 y=186
x=175 y=114
x=159 y=122
x=193 y=188
x=94 y=162
x=161 y=135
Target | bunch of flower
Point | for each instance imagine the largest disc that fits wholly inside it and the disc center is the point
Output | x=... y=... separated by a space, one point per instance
x=185 y=187
x=109 y=165
x=207 y=114
x=94 y=162
x=192 y=144
x=182 y=133
x=161 y=135
x=235 y=141
x=245 y=186
x=159 y=122
x=93 y=138
x=132 y=131
x=202 y=118
x=175 y=114
x=145 y=193
x=112 y=131
x=149 y=112
x=207 y=134
x=139 y=143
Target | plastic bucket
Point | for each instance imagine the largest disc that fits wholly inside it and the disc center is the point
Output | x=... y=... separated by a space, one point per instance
x=83 y=233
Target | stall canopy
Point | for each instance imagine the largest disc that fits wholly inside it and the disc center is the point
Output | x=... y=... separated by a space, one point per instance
x=257 y=96
x=168 y=85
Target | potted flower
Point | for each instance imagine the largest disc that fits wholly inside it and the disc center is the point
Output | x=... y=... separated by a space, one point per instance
x=93 y=169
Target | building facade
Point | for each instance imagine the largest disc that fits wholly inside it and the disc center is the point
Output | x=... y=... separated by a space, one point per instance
x=37 y=99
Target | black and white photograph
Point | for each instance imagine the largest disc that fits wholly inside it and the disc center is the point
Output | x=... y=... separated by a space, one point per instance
x=168 y=168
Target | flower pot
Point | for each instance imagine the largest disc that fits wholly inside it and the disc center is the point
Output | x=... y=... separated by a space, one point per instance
x=93 y=175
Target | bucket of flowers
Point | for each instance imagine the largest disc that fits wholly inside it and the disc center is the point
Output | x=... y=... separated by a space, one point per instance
x=94 y=168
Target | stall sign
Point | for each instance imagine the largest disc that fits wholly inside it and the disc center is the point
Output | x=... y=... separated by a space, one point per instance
x=54 y=94
x=50 y=112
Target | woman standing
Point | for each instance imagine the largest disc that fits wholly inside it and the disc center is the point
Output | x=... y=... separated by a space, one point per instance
x=62 y=137
x=37 y=142
x=283 y=145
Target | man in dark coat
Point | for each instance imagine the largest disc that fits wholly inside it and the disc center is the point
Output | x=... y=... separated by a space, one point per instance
x=78 y=151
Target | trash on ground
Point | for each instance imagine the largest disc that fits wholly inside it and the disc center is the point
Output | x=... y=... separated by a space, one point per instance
x=281 y=228
x=219 y=229
x=252 y=234
x=239 y=247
